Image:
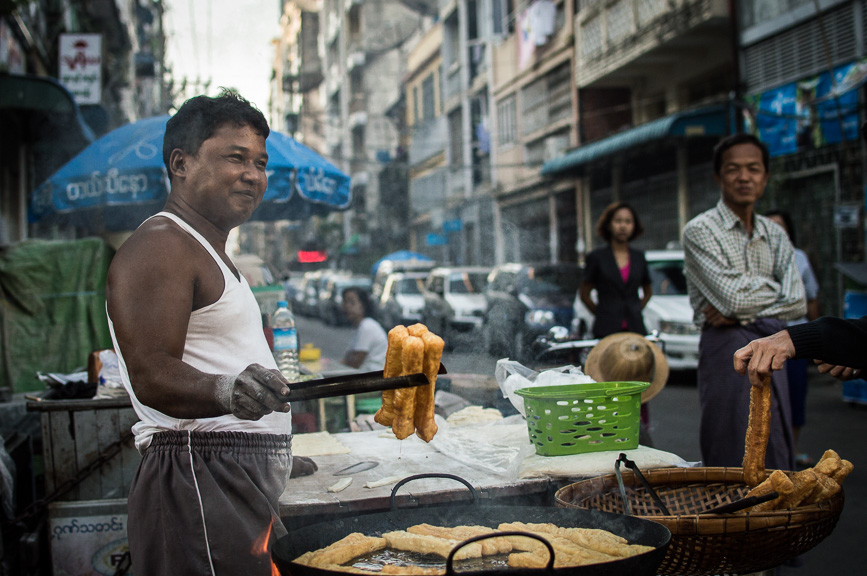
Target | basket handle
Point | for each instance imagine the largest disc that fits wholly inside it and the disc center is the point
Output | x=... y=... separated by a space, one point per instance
x=634 y=467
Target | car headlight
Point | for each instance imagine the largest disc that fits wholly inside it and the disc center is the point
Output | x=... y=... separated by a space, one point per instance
x=541 y=317
x=678 y=328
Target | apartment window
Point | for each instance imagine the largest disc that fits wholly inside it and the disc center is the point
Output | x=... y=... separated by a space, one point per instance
x=428 y=106
x=546 y=101
x=455 y=136
x=504 y=16
x=507 y=128
x=416 y=105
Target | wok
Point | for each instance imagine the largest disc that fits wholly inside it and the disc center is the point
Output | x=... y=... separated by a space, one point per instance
x=635 y=530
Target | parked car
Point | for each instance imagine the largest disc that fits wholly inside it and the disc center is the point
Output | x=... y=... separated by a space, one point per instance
x=401 y=300
x=454 y=301
x=331 y=297
x=668 y=312
x=307 y=298
x=524 y=301
x=388 y=267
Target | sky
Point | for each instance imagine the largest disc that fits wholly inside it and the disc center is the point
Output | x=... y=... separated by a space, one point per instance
x=225 y=41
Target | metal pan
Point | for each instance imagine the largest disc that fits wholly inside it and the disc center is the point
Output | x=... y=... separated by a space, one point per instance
x=635 y=530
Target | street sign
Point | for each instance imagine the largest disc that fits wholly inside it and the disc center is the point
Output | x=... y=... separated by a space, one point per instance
x=846 y=215
x=80 y=66
x=436 y=240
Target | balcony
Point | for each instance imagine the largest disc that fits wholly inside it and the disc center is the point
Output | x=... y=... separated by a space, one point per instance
x=618 y=41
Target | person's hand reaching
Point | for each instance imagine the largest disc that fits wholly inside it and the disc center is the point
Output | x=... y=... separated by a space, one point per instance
x=761 y=357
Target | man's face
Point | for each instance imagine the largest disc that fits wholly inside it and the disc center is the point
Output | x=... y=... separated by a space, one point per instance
x=226 y=180
x=742 y=177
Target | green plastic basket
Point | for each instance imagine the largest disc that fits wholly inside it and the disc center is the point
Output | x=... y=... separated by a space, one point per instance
x=582 y=418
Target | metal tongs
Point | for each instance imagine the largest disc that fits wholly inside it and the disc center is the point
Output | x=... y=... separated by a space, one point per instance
x=722 y=509
x=354 y=384
x=632 y=466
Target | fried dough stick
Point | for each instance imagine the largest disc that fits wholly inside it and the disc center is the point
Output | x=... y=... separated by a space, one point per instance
x=393 y=367
x=758 y=432
x=404 y=398
x=601 y=541
x=490 y=547
x=342 y=551
x=423 y=544
x=423 y=418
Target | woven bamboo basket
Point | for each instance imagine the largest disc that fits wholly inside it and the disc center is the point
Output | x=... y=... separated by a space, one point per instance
x=736 y=543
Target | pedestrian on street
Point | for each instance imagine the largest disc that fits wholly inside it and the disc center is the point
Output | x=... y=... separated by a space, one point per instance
x=796 y=368
x=369 y=342
x=743 y=284
x=617 y=271
x=214 y=429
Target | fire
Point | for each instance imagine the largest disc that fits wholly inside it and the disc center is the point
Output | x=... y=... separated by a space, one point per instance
x=260 y=547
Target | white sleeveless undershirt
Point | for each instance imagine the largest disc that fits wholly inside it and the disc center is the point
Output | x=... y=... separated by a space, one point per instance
x=223 y=338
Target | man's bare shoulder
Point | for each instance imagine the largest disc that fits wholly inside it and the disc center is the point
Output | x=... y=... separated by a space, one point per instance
x=158 y=243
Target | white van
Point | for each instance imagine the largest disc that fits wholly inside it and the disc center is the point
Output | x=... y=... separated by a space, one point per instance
x=668 y=313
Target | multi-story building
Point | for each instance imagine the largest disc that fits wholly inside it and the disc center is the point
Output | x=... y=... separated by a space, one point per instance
x=449 y=109
x=43 y=125
x=536 y=119
x=363 y=50
x=654 y=79
x=802 y=66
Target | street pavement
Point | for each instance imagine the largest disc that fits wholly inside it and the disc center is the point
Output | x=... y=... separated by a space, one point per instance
x=674 y=413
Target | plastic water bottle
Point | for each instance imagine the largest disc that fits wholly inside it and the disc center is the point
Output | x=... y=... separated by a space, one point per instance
x=285 y=341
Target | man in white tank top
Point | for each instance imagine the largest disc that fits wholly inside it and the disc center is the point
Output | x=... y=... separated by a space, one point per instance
x=215 y=429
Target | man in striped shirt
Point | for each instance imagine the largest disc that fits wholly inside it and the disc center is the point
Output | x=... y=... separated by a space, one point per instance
x=743 y=284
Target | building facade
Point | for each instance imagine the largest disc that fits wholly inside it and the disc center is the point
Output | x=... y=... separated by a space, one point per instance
x=803 y=66
x=43 y=124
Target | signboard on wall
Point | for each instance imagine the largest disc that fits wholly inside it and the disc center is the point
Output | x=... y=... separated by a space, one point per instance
x=80 y=66
x=810 y=113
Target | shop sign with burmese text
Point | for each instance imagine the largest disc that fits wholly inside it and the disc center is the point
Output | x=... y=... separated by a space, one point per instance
x=80 y=66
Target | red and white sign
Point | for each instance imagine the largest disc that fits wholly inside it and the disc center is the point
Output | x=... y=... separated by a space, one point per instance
x=81 y=66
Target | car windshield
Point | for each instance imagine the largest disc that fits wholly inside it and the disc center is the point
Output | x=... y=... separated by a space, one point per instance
x=667 y=277
x=410 y=286
x=467 y=282
x=547 y=280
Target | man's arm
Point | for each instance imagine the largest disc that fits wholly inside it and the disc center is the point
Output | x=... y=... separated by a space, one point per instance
x=835 y=341
x=150 y=293
x=839 y=344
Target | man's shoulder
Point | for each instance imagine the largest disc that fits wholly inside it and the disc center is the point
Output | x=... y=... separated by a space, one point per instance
x=707 y=219
x=155 y=239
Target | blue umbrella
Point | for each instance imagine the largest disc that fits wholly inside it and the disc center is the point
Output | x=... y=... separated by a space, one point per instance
x=400 y=256
x=120 y=179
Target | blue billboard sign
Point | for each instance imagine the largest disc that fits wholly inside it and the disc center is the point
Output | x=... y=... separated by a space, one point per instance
x=810 y=113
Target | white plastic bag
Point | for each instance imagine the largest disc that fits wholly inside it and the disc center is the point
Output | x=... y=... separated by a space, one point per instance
x=513 y=375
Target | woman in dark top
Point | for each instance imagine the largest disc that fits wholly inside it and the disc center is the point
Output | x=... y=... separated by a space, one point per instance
x=617 y=271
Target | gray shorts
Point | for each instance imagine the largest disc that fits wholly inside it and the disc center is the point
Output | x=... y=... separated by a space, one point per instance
x=205 y=502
